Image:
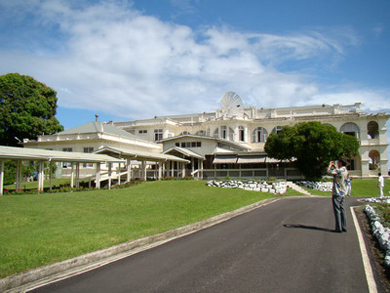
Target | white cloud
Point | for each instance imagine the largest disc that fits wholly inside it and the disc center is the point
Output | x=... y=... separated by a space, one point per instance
x=117 y=60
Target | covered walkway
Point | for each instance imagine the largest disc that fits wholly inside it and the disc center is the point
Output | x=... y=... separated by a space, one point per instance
x=165 y=163
x=40 y=155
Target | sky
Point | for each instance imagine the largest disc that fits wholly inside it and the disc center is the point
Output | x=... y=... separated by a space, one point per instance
x=127 y=60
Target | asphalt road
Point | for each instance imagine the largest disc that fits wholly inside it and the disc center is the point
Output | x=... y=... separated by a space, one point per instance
x=286 y=246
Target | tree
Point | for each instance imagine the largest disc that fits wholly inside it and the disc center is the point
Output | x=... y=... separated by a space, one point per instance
x=28 y=109
x=313 y=145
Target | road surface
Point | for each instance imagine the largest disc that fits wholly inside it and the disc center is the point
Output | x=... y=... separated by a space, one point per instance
x=286 y=246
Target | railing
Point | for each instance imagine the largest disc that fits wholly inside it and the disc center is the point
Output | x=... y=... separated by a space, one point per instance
x=263 y=173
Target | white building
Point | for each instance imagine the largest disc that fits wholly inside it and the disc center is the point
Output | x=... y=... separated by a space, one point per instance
x=141 y=158
x=230 y=142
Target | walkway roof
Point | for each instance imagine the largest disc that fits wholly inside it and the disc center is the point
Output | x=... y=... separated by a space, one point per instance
x=139 y=155
x=30 y=154
x=185 y=152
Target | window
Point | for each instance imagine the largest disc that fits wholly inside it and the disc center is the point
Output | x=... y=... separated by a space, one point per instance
x=372 y=130
x=277 y=129
x=177 y=144
x=190 y=144
x=201 y=133
x=224 y=132
x=241 y=133
x=158 y=134
x=66 y=164
x=351 y=129
x=144 y=131
x=88 y=150
x=259 y=135
x=184 y=133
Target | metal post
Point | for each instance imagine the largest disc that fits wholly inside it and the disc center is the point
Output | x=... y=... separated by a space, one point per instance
x=98 y=175
x=50 y=176
x=40 y=176
x=77 y=175
x=72 y=175
x=128 y=170
x=1 y=177
x=119 y=175
x=109 y=175
x=159 y=170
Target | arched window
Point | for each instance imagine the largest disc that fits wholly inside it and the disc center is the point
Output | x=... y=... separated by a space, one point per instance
x=184 y=133
x=351 y=129
x=259 y=135
x=372 y=130
x=375 y=159
x=277 y=129
x=201 y=133
x=241 y=133
x=224 y=132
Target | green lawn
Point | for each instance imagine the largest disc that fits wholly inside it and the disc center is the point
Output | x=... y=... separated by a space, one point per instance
x=40 y=229
x=360 y=188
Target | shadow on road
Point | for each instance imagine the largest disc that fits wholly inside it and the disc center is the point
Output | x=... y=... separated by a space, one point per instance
x=307 y=227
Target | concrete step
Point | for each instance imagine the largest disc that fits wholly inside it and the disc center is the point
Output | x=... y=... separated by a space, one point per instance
x=297 y=188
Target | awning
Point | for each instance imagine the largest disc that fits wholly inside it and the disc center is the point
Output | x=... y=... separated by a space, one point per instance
x=251 y=160
x=225 y=160
x=31 y=154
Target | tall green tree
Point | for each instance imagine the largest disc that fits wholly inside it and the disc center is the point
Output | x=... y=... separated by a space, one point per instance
x=28 y=109
x=313 y=145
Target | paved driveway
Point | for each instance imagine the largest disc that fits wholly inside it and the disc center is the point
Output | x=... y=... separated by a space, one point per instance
x=286 y=246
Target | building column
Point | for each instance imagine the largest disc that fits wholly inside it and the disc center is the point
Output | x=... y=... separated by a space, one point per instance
x=172 y=169
x=1 y=177
x=119 y=174
x=183 y=169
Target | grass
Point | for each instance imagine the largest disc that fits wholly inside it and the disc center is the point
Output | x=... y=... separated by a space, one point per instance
x=40 y=229
x=360 y=188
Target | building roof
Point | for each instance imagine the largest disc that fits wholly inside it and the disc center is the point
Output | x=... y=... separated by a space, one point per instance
x=98 y=127
x=185 y=152
x=30 y=154
x=139 y=155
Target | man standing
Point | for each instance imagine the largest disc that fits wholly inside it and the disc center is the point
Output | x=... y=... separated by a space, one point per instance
x=381 y=184
x=339 y=190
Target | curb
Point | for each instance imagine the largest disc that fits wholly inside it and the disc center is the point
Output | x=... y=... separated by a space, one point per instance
x=38 y=277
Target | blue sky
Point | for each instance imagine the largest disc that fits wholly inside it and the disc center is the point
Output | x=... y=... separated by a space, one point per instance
x=138 y=59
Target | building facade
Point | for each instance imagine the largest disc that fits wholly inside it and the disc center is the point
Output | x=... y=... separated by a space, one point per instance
x=231 y=140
